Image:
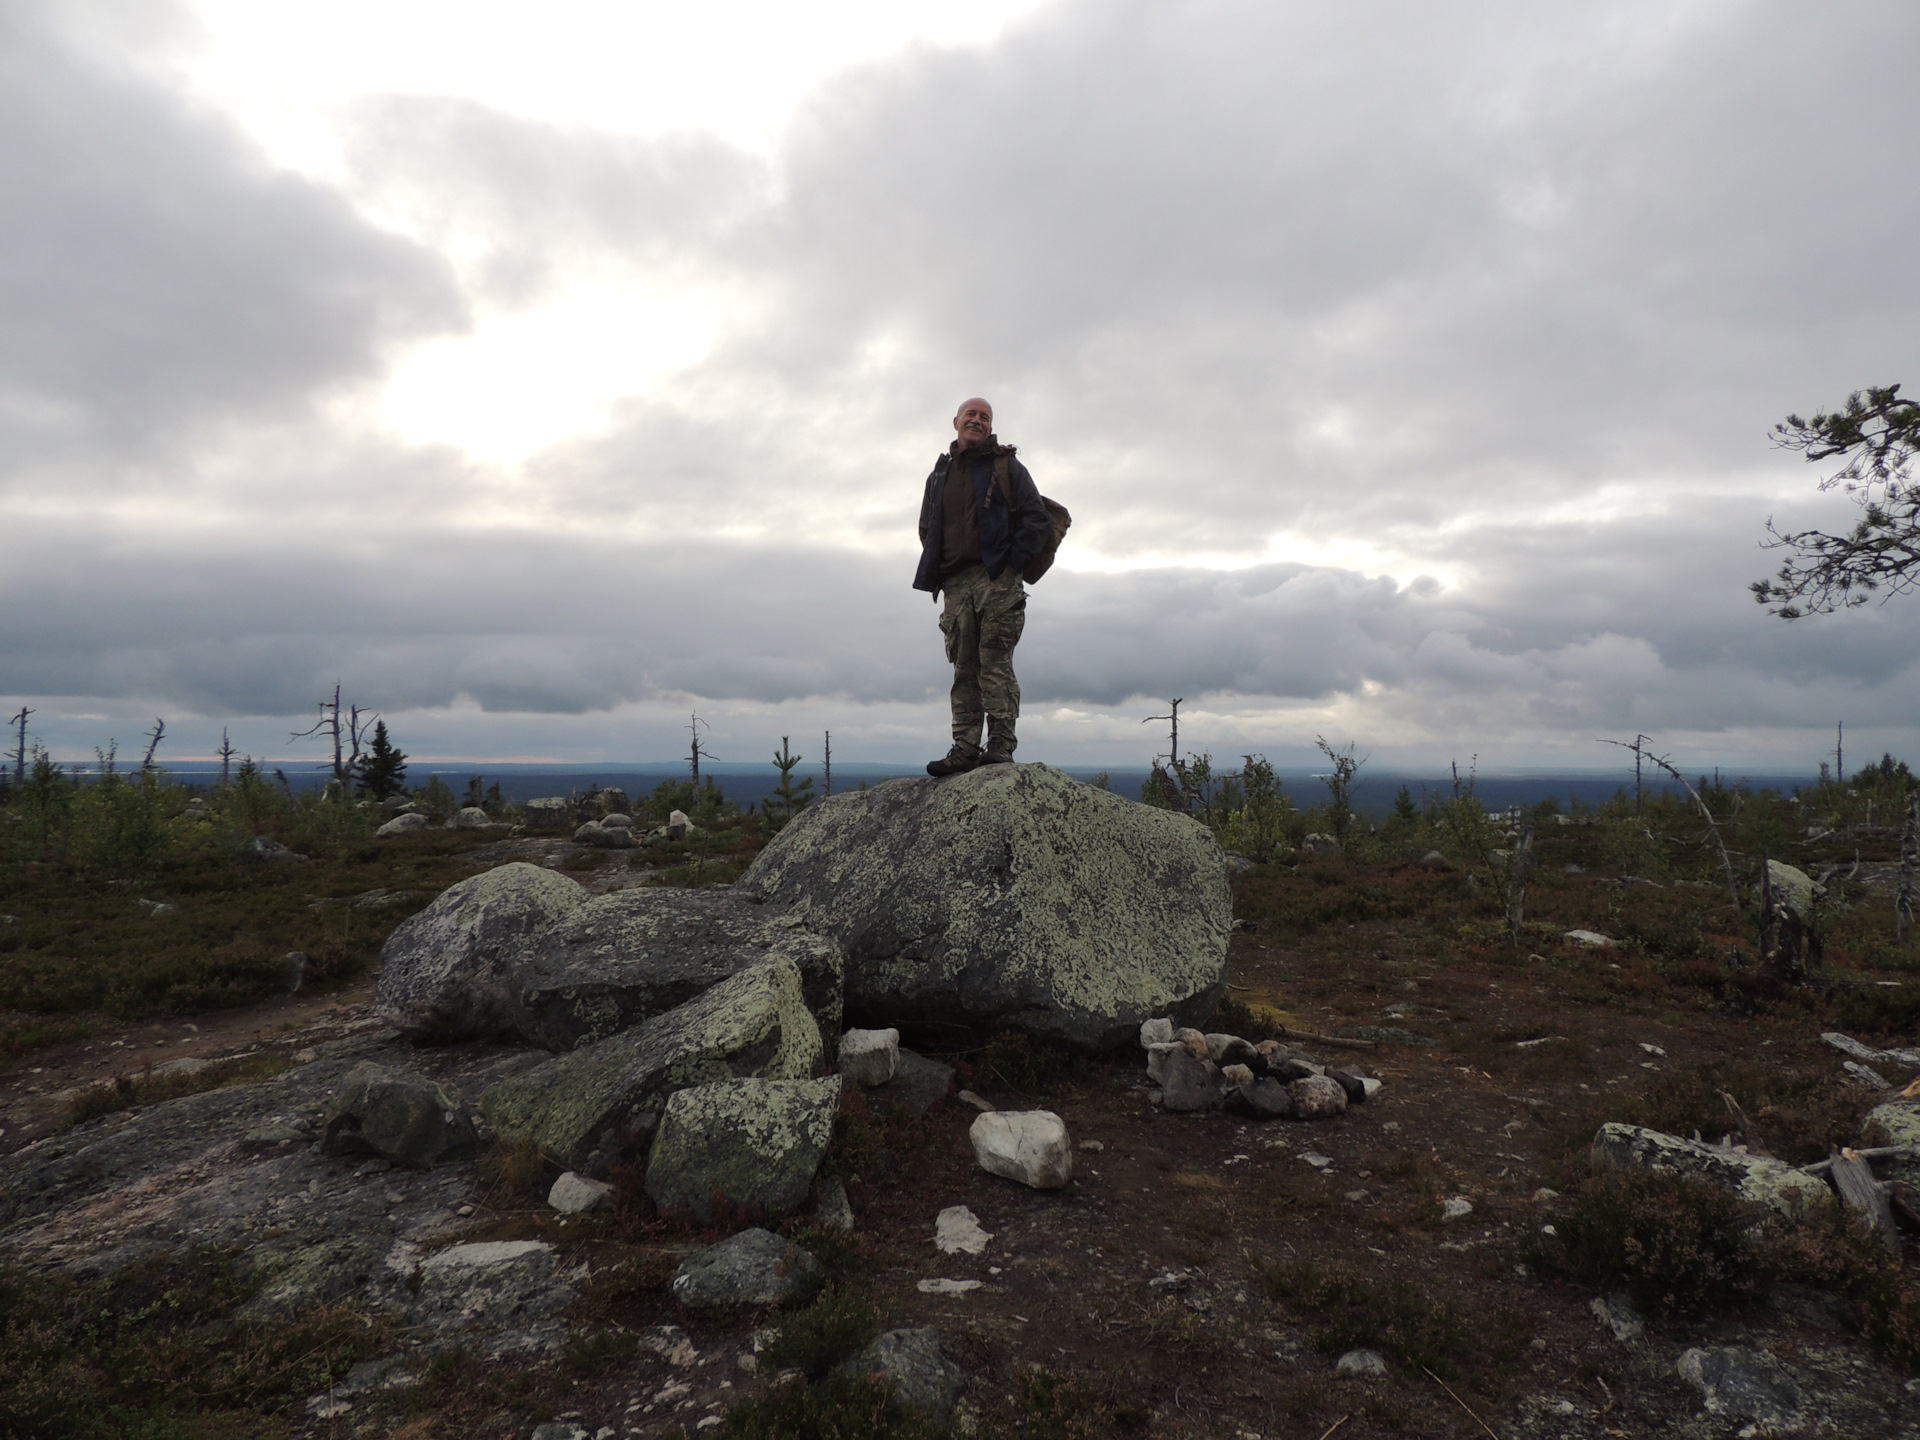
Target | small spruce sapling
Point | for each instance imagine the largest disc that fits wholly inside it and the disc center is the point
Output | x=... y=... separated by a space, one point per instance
x=383 y=770
x=788 y=799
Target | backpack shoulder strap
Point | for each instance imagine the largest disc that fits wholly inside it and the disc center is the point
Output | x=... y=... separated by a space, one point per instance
x=1003 y=477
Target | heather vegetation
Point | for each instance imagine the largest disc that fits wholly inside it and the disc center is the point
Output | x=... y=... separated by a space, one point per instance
x=1435 y=932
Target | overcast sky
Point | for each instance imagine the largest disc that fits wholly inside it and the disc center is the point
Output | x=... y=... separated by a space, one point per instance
x=546 y=373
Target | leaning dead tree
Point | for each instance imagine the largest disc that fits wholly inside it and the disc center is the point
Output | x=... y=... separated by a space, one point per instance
x=1713 y=825
x=346 y=733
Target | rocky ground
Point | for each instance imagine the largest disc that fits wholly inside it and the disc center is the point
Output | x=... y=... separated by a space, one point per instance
x=1202 y=1274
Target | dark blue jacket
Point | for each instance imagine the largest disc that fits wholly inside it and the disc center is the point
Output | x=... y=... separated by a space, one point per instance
x=1008 y=539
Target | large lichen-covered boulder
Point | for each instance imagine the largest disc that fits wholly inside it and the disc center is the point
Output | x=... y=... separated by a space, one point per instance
x=1012 y=896
x=755 y=1024
x=450 y=972
x=1772 y=1183
x=622 y=958
x=741 y=1144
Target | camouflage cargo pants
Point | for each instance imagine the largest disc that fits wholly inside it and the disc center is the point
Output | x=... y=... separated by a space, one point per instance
x=982 y=620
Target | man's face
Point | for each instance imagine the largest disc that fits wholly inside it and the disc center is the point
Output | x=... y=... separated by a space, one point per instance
x=974 y=423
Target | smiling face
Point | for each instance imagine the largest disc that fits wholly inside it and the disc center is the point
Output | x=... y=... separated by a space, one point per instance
x=973 y=423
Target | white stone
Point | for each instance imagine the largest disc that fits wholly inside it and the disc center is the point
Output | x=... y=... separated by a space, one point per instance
x=1029 y=1146
x=956 y=1231
x=401 y=825
x=470 y=818
x=574 y=1193
x=1369 y=1086
x=870 y=1057
x=678 y=825
x=1361 y=1362
x=1156 y=1032
x=1455 y=1207
x=946 y=1287
x=1589 y=937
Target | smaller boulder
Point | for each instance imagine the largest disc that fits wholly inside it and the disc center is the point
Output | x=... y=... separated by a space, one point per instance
x=549 y=812
x=755 y=1267
x=1029 y=1146
x=749 y=1143
x=1743 y=1384
x=1353 y=1082
x=1592 y=938
x=574 y=1193
x=832 y=1210
x=870 y=1057
x=401 y=1116
x=265 y=847
x=922 y=1379
x=1362 y=1363
x=1318 y=845
x=1265 y=1099
x=472 y=817
x=401 y=825
x=603 y=837
x=617 y=821
x=597 y=804
x=1155 y=1032
x=1187 y=1085
x=1235 y=1075
x=1316 y=1097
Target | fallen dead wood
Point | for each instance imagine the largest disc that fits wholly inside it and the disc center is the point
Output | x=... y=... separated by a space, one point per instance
x=1877 y=1152
x=1290 y=1034
x=1864 y=1194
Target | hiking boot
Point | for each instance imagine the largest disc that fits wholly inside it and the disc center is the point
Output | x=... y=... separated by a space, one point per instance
x=998 y=752
x=957 y=761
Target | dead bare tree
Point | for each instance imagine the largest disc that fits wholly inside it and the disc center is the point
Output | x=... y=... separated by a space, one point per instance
x=1173 y=744
x=828 y=789
x=20 y=748
x=1518 y=863
x=1785 y=941
x=154 y=737
x=1713 y=825
x=226 y=756
x=694 y=724
x=346 y=734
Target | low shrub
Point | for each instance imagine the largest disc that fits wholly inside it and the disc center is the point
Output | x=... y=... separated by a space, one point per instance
x=1677 y=1245
x=1395 y=1317
x=830 y=1330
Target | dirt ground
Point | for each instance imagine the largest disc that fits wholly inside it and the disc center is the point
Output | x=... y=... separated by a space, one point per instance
x=1180 y=1285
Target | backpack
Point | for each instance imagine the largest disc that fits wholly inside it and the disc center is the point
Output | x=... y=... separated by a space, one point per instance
x=1056 y=512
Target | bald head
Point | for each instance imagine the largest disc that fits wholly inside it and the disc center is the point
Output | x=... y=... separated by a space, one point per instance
x=973 y=422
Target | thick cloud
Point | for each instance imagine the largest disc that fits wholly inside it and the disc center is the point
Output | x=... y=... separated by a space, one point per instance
x=1505 y=295
x=157 y=277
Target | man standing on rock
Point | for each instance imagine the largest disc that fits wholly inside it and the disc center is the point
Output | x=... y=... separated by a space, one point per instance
x=981 y=523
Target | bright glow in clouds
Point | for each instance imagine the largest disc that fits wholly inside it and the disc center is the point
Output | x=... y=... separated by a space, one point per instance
x=522 y=382
x=289 y=72
x=735 y=67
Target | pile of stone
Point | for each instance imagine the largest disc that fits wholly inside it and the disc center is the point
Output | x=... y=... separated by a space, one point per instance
x=616 y=830
x=1264 y=1081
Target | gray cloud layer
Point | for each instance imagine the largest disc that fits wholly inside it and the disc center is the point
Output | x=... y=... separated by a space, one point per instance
x=1511 y=293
